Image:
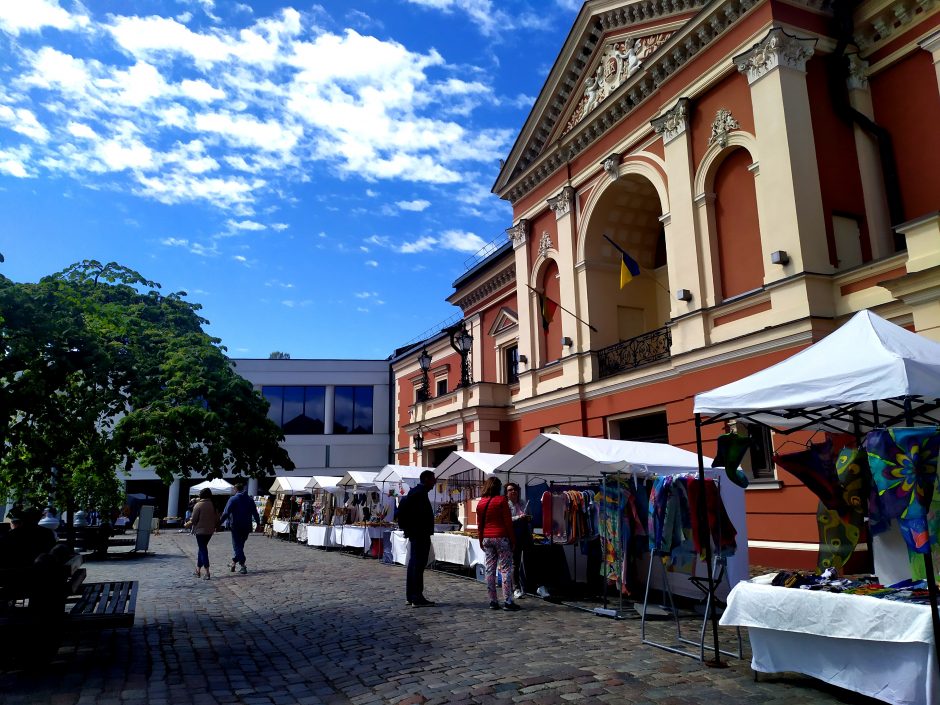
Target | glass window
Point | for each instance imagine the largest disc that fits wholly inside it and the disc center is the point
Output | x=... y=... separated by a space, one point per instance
x=352 y=410
x=273 y=395
x=297 y=410
x=512 y=364
x=442 y=387
x=761 y=452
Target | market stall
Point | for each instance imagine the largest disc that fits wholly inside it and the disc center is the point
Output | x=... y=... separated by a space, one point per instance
x=460 y=478
x=286 y=512
x=217 y=487
x=868 y=378
x=319 y=527
x=359 y=525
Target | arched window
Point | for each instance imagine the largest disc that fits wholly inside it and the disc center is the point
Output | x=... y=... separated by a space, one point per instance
x=740 y=262
x=549 y=315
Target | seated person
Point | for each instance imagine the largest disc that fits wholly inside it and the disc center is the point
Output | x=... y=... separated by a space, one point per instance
x=26 y=540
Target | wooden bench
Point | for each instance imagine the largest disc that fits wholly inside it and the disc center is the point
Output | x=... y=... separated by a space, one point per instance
x=104 y=606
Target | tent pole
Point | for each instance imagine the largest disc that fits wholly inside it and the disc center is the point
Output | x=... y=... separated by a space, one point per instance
x=702 y=511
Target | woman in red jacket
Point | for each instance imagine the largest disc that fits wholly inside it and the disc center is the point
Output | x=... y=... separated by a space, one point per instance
x=497 y=540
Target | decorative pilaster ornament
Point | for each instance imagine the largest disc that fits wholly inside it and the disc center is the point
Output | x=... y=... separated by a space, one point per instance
x=545 y=244
x=612 y=166
x=518 y=233
x=858 y=73
x=721 y=128
x=776 y=49
x=562 y=203
x=673 y=123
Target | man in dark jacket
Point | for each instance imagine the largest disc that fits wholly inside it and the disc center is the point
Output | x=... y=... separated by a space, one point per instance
x=416 y=519
x=240 y=512
x=26 y=539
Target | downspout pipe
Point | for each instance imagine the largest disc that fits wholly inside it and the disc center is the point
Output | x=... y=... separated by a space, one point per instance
x=837 y=71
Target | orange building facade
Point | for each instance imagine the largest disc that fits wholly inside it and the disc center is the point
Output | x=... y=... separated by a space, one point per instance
x=771 y=166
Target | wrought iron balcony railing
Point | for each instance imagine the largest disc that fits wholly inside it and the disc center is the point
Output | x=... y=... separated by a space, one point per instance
x=636 y=352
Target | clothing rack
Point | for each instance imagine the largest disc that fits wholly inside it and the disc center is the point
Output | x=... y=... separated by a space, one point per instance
x=564 y=488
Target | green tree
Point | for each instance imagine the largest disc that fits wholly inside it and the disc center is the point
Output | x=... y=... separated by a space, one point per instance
x=98 y=370
x=277 y=355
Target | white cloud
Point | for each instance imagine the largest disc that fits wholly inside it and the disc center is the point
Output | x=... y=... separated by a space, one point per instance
x=462 y=241
x=371 y=194
x=417 y=206
x=78 y=129
x=23 y=121
x=18 y=16
x=120 y=154
x=422 y=244
x=13 y=162
x=195 y=248
x=246 y=225
x=279 y=227
x=360 y=309
x=489 y=19
x=371 y=263
x=201 y=91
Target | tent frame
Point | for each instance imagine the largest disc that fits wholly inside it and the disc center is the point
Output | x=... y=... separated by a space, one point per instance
x=908 y=410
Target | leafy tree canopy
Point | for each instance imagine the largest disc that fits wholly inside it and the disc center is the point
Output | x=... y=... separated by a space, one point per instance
x=277 y=355
x=98 y=370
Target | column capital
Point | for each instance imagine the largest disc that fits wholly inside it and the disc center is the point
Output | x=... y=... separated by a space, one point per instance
x=562 y=203
x=611 y=165
x=858 y=73
x=777 y=49
x=518 y=233
x=674 y=122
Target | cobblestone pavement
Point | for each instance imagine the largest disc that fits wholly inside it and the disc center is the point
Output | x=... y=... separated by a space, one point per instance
x=309 y=626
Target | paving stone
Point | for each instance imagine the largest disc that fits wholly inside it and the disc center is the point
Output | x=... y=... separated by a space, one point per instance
x=321 y=628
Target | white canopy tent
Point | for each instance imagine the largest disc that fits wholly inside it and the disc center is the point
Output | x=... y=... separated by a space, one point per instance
x=290 y=485
x=564 y=459
x=217 y=487
x=862 y=371
x=328 y=483
x=478 y=466
x=358 y=480
x=400 y=474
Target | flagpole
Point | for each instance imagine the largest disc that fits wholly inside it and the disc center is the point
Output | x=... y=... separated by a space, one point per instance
x=570 y=313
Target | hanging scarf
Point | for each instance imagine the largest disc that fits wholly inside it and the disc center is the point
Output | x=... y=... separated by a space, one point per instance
x=903 y=464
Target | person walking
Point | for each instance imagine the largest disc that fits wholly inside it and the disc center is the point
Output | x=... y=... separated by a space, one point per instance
x=497 y=540
x=240 y=512
x=416 y=519
x=522 y=530
x=203 y=522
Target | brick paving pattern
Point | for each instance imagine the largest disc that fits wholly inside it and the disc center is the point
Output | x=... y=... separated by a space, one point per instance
x=309 y=626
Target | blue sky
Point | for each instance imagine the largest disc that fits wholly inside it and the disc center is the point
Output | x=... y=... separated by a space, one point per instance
x=316 y=175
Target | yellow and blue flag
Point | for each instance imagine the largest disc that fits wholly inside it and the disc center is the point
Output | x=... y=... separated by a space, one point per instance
x=628 y=266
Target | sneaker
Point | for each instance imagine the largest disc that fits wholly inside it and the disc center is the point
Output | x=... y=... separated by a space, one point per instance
x=494 y=605
x=518 y=594
x=511 y=607
x=422 y=602
x=243 y=570
x=232 y=567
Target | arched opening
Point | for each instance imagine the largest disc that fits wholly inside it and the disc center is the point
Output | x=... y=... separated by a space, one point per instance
x=737 y=230
x=548 y=314
x=629 y=214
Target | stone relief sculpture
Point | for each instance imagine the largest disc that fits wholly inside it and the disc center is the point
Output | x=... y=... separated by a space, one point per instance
x=721 y=128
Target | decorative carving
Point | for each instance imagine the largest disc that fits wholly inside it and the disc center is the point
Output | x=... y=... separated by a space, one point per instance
x=858 y=73
x=497 y=282
x=545 y=244
x=612 y=166
x=562 y=203
x=776 y=49
x=620 y=60
x=674 y=122
x=721 y=128
x=518 y=233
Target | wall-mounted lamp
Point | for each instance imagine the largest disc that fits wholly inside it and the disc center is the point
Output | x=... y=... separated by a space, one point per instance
x=566 y=341
x=780 y=257
x=462 y=342
x=524 y=359
x=419 y=442
x=424 y=362
x=683 y=295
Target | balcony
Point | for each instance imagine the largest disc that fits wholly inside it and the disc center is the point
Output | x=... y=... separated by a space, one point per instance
x=633 y=353
x=479 y=394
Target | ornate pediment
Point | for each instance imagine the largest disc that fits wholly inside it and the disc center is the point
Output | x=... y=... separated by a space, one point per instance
x=506 y=319
x=621 y=58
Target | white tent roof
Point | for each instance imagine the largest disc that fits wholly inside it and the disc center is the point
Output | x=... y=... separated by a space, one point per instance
x=323 y=482
x=358 y=478
x=398 y=473
x=867 y=359
x=218 y=486
x=465 y=461
x=290 y=485
x=553 y=456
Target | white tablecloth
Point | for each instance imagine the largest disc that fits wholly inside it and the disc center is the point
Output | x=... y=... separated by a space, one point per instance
x=302 y=532
x=448 y=548
x=281 y=527
x=356 y=536
x=879 y=648
x=319 y=535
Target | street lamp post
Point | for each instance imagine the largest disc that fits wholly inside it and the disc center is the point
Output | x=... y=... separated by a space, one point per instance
x=424 y=362
x=462 y=342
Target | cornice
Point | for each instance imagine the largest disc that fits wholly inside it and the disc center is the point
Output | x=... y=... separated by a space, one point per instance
x=536 y=164
x=487 y=288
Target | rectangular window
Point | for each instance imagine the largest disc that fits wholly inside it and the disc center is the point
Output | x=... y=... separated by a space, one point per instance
x=442 y=387
x=512 y=364
x=297 y=410
x=761 y=452
x=352 y=410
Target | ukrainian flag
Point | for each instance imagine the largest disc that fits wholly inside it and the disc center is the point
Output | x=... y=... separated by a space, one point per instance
x=628 y=266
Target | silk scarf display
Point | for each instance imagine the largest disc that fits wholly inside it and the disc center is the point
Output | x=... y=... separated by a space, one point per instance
x=903 y=464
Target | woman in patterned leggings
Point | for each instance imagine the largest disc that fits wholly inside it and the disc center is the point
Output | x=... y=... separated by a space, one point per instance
x=497 y=540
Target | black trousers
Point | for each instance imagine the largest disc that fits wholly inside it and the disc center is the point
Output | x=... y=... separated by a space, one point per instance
x=417 y=560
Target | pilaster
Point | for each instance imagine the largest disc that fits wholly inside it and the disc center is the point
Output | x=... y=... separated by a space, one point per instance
x=519 y=234
x=173 y=499
x=564 y=207
x=789 y=198
x=932 y=45
x=920 y=287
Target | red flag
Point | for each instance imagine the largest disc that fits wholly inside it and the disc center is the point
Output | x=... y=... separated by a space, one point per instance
x=547 y=308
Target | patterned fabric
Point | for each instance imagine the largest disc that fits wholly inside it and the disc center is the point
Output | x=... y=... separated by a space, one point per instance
x=498 y=551
x=815 y=467
x=731 y=450
x=903 y=464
